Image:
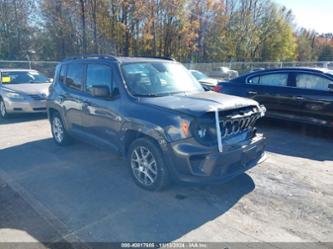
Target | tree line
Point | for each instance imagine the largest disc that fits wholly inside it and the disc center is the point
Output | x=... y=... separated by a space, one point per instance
x=188 y=30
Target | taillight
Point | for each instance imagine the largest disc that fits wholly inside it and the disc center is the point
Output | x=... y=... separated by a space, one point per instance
x=217 y=88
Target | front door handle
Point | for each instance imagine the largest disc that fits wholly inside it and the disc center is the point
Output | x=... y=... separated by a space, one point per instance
x=299 y=98
x=252 y=92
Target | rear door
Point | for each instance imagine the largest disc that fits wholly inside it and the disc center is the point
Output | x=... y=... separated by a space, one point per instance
x=71 y=76
x=314 y=99
x=268 y=88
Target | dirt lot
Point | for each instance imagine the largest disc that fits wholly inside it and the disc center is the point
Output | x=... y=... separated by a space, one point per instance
x=81 y=193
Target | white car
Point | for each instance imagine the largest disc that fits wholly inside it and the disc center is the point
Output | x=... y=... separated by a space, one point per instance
x=207 y=82
x=22 y=91
x=223 y=73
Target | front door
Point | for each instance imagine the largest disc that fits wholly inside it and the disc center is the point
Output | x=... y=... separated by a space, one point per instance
x=314 y=98
x=101 y=115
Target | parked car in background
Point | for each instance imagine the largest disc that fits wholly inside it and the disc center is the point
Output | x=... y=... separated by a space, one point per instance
x=207 y=82
x=22 y=91
x=299 y=94
x=223 y=73
x=155 y=114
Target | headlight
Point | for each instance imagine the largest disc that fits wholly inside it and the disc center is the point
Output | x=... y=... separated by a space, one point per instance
x=15 y=96
x=262 y=109
x=204 y=132
x=178 y=131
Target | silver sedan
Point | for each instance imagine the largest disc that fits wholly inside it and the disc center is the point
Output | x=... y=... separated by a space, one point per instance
x=22 y=91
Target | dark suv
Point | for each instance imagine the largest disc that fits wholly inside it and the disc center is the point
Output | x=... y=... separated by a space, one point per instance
x=153 y=112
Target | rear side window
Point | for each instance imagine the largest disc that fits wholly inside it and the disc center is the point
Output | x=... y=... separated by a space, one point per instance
x=74 y=77
x=99 y=75
x=314 y=82
x=276 y=79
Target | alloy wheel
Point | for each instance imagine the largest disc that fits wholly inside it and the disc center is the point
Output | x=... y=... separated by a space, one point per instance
x=58 y=129
x=144 y=165
x=2 y=109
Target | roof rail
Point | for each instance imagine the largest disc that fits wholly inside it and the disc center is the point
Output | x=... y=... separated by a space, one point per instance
x=159 y=57
x=91 y=56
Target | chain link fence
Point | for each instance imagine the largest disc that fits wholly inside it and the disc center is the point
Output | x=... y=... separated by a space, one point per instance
x=47 y=67
x=243 y=67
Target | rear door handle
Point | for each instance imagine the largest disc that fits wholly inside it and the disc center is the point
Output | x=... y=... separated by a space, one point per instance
x=85 y=106
x=86 y=102
x=299 y=98
x=252 y=92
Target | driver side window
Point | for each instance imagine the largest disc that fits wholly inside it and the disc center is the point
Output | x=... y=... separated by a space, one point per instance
x=98 y=75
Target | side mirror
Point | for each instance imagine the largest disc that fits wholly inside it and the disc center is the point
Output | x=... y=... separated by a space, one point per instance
x=100 y=91
x=330 y=87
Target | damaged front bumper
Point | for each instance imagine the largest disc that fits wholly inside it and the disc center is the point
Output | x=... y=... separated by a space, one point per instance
x=192 y=162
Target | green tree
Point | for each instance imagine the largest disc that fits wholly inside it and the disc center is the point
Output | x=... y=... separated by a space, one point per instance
x=15 y=28
x=189 y=30
x=326 y=53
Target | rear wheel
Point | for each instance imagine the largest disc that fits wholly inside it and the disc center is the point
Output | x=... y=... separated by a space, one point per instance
x=59 y=133
x=3 y=111
x=147 y=166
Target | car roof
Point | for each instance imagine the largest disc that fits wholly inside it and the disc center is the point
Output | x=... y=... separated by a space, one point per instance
x=142 y=59
x=308 y=69
x=321 y=70
x=118 y=59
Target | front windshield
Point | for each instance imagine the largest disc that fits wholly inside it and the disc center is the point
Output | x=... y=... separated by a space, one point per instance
x=23 y=77
x=159 y=79
x=199 y=75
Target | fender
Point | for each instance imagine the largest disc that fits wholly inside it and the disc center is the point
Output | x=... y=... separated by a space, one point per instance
x=146 y=128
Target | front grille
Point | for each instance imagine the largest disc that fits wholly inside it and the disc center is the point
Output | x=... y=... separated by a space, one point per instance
x=238 y=121
x=38 y=96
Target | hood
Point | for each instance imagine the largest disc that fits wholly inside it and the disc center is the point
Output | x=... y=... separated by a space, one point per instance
x=198 y=104
x=29 y=89
x=209 y=81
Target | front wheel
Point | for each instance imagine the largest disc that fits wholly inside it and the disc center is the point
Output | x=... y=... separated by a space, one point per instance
x=3 y=111
x=147 y=166
x=59 y=133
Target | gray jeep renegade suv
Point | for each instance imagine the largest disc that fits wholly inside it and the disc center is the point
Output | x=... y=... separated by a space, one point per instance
x=153 y=112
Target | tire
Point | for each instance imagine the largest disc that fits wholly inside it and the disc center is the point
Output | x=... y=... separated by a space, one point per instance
x=59 y=134
x=3 y=111
x=146 y=165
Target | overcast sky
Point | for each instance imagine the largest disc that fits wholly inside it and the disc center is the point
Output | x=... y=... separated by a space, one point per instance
x=312 y=14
